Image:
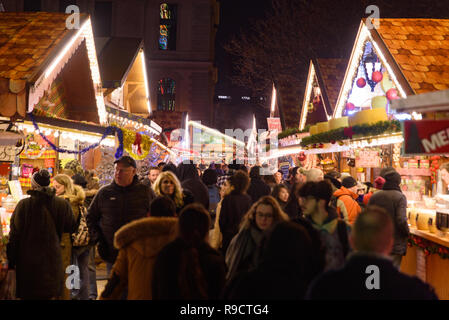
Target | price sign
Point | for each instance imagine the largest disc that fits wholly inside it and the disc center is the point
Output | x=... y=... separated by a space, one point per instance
x=367 y=159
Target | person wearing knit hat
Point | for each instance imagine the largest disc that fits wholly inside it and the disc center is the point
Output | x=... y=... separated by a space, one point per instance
x=40 y=179
x=394 y=202
x=347 y=206
x=379 y=183
x=34 y=247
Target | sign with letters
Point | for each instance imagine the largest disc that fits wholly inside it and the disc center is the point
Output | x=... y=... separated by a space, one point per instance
x=367 y=159
x=426 y=136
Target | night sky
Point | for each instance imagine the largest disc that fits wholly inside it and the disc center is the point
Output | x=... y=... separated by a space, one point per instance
x=235 y=15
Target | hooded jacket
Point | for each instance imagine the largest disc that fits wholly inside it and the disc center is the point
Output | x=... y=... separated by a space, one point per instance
x=139 y=243
x=347 y=206
x=188 y=175
x=34 y=250
x=113 y=207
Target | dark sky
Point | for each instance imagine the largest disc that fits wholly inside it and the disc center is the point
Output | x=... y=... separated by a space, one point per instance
x=235 y=15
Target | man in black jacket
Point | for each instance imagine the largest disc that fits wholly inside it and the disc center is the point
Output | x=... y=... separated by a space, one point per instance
x=369 y=273
x=34 y=250
x=122 y=201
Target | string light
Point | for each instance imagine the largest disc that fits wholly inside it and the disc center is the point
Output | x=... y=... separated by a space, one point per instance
x=304 y=111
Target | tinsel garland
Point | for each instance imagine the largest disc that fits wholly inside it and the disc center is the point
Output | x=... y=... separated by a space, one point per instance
x=363 y=130
x=428 y=246
x=128 y=140
x=109 y=131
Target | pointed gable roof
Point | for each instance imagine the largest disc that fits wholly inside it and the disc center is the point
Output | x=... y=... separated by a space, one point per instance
x=331 y=72
x=34 y=48
x=421 y=49
x=414 y=51
x=328 y=75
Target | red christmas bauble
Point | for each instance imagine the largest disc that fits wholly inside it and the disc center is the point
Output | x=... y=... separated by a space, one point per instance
x=361 y=82
x=350 y=106
x=392 y=94
x=377 y=76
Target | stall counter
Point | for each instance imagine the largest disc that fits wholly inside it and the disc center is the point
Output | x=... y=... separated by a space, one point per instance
x=430 y=267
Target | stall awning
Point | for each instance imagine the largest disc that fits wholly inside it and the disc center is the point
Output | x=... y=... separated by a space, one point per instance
x=34 y=48
x=426 y=102
x=116 y=59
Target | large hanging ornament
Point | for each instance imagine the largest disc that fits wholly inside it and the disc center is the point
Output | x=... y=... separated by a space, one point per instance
x=377 y=76
x=379 y=102
x=361 y=82
x=392 y=94
x=386 y=83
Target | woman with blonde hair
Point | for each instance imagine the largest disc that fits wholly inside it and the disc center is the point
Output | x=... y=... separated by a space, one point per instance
x=74 y=194
x=245 y=248
x=167 y=184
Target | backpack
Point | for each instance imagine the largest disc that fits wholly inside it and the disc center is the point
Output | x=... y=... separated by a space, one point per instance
x=81 y=238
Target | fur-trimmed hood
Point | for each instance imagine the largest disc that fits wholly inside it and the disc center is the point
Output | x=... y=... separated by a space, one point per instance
x=147 y=234
x=77 y=199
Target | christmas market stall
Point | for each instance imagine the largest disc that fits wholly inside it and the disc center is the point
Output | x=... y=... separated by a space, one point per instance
x=428 y=252
x=51 y=92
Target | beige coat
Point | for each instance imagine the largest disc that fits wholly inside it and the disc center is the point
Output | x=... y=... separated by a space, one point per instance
x=139 y=243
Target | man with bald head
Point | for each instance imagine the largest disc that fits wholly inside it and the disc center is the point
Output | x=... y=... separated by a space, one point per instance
x=369 y=273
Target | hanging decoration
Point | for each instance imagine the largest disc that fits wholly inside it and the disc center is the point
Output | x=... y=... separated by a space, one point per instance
x=109 y=131
x=361 y=82
x=434 y=166
x=429 y=247
x=135 y=144
x=363 y=130
x=392 y=94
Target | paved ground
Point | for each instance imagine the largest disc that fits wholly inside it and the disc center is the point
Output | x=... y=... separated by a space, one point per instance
x=101 y=278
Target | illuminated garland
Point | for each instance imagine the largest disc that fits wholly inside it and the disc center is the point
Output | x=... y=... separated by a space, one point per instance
x=363 y=130
x=428 y=247
x=109 y=131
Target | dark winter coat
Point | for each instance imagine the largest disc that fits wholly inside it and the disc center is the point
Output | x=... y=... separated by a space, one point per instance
x=34 y=250
x=395 y=203
x=139 y=242
x=188 y=175
x=244 y=251
x=257 y=189
x=349 y=283
x=166 y=275
x=113 y=207
x=286 y=267
x=233 y=207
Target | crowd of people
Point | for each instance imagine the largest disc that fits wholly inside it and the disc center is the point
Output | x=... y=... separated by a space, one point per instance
x=222 y=232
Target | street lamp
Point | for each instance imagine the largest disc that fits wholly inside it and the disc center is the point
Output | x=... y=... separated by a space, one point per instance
x=372 y=68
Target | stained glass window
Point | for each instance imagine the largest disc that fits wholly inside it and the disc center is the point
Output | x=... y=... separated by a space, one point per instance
x=167 y=27
x=166 y=91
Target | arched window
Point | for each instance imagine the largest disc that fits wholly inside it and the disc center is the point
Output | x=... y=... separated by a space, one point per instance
x=166 y=90
x=167 y=27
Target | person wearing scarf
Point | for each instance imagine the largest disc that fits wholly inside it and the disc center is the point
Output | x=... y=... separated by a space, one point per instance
x=394 y=202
